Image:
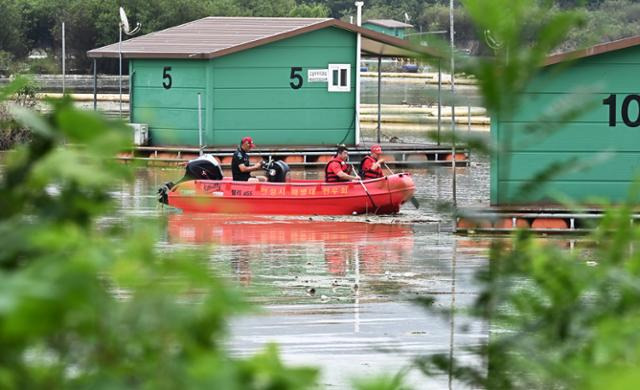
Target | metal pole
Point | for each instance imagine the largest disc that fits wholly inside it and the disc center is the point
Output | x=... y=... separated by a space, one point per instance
x=64 y=57
x=200 y=122
x=95 y=85
x=468 y=129
x=379 y=96
x=452 y=309
x=120 y=65
x=359 y=5
x=356 y=303
x=439 y=97
x=453 y=106
x=131 y=94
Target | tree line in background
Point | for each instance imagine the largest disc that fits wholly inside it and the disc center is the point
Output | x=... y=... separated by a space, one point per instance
x=34 y=26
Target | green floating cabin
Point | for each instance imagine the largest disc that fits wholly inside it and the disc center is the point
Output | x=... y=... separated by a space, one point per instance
x=595 y=153
x=388 y=26
x=283 y=81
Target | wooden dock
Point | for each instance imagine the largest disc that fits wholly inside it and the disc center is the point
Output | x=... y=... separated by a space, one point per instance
x=543 y=220
x=400 y=155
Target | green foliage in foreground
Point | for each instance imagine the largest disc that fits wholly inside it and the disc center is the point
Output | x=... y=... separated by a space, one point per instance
x=90 y=304
x=555 y=319
x=12 y=133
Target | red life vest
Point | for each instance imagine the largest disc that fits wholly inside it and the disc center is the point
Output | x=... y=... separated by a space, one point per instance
x=331 y=177
x=370 y=174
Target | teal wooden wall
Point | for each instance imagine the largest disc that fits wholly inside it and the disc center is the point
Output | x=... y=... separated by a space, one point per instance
x=592 y=160
x=172 y=113
x=252 y=92
x=249 y=93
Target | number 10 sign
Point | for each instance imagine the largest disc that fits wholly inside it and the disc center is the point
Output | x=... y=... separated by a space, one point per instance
x=624 y=110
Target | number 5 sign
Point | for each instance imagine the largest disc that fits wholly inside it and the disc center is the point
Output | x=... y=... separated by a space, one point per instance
x=296 y=77
x=166 y=77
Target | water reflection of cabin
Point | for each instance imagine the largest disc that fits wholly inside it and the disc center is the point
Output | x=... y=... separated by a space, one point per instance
x=594 y=153
x=284 y=81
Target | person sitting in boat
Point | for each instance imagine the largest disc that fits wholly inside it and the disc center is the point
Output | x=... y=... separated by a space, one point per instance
x=337 y=168
x=371 y=164
x=241 y=167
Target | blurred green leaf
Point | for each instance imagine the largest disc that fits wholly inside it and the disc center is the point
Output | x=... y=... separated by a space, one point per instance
x=83 y=305
x=31 y=120
x=556 y=318
x=266 y=371
x=382 y=382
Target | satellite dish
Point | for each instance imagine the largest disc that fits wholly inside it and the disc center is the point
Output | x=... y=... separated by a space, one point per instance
x=124 y=22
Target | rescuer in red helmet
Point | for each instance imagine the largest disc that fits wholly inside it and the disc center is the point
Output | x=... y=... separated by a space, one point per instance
x=371 y=164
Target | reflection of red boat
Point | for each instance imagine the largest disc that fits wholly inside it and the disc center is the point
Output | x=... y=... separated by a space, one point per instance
x=343 y=242
x=297 y=197
x=243 y=230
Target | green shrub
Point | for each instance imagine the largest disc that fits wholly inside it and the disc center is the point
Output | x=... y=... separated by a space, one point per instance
x=6 y=63
x=49 y=65
x=13 y=133
x=96 y=306
x=556 y=319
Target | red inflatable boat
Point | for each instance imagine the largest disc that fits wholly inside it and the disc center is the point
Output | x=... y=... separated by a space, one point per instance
x=297 y=197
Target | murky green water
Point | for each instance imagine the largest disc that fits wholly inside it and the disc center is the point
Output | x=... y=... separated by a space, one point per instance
x=338 y=292
x=416 y=93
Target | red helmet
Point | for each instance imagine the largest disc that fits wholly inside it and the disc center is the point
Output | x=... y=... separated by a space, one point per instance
x=248 y=140
x=376 y=149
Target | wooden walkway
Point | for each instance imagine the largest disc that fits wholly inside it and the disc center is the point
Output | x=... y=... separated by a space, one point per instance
x=395 y=154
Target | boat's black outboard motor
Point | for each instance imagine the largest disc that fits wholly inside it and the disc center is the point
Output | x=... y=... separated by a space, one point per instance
x=163 y=192
x=277 y=171
x=205 y=167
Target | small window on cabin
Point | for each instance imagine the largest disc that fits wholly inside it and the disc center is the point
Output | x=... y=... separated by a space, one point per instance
x=340 y=77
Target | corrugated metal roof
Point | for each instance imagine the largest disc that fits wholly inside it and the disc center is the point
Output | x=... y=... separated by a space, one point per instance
x=389 y=23
x=218 y=36
x=593 y=50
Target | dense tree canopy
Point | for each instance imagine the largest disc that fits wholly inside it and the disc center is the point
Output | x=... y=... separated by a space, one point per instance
x=36 y=24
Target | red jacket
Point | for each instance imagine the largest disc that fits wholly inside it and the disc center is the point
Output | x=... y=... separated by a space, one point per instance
x=330 y=176
x=365 y=168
